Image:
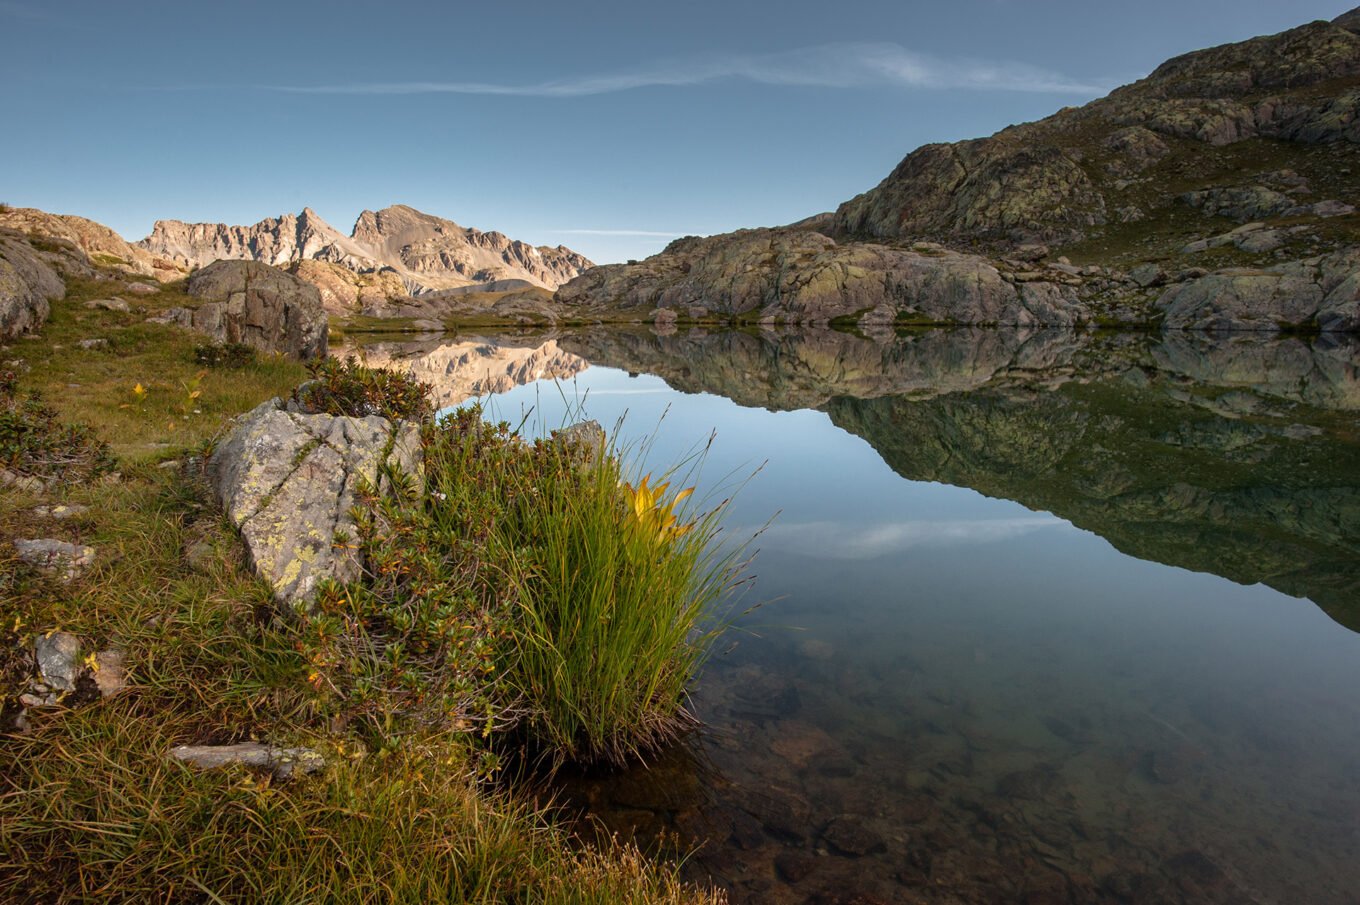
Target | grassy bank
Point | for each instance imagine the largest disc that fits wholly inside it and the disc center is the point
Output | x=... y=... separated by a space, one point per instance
x=92 y=809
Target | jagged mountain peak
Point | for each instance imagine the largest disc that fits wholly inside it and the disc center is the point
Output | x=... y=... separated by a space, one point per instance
x=428 y=253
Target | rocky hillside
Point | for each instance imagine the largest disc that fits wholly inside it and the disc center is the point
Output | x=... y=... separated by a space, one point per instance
x=424 y=253
x=440 y=254
x=1218 y=192
x=1204 y=130
x=100 y=244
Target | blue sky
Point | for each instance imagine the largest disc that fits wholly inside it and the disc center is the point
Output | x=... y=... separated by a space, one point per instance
x=607 y=127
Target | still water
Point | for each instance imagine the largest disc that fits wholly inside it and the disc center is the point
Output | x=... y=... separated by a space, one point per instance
x=1045 y=618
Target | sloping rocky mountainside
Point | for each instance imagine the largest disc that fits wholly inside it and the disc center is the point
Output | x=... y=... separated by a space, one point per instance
x=99 y=243
x=1222 y=455
x=1218 y=192
x=397 y=244
x=1142 y=147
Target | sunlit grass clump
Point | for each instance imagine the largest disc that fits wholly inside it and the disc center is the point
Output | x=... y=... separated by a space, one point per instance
x=527 y=590
x=616 y=588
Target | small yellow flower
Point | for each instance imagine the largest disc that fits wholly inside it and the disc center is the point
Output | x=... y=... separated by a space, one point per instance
x=654 y=511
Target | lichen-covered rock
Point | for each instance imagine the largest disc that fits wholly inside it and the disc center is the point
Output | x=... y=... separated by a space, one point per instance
x=1002 y=187
x=1321 y=293
x=1063 y=177
x=1240 y=203
x=58 y=659
x=284 y=763
x=287 y=480
x=51 y=555
x=261 y=306
x=27 y=285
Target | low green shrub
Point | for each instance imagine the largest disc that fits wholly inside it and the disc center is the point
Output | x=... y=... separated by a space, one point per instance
x=35 y=443
x=350 y=388
x=224 y=355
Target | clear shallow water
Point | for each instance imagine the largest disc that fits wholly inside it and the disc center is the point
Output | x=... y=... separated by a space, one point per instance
x=962 y=690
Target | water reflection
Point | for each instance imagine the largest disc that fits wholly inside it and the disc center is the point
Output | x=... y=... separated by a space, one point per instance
x=470 y=369
x=1033 y=643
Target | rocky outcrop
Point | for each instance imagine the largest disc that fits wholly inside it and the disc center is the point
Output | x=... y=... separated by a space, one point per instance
x=473 y=305
x=397 y=244
x=438 y=253
x=793 y=276
x=287 y=480
x=1065 y=176
x=100 y=244
x=27 y=285
x=255 y=304
x=345 y=292
x=1319 y=293
x=279 y=241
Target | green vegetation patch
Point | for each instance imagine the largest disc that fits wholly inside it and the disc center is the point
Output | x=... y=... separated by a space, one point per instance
x=527 y=587
x=92 y=808
x=350 y=388
x=35 y=443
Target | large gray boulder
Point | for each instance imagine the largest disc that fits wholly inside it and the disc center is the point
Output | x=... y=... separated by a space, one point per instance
x=1318 y=293
x=27 y=284
x=261 y=306
x=287 y=480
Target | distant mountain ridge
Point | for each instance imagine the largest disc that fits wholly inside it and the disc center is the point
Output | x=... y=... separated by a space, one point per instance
x=427 y=253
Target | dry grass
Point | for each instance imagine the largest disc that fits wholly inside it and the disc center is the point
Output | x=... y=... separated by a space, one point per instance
x=91 y=808
x=96 y=386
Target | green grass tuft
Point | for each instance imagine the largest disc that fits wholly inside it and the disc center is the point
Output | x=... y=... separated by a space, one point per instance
x=526 y=586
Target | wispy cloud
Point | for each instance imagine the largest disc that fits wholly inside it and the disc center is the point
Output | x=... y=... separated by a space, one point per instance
x=843 y=65
x=834 y=540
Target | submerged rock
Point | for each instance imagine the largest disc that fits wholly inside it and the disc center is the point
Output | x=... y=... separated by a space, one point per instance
x=849 y=836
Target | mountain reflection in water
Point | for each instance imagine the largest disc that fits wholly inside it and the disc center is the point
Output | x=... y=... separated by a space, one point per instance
x=961 y=699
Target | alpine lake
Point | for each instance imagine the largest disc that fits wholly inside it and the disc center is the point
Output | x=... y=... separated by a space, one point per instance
x=1039 y=617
